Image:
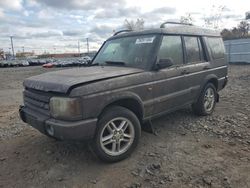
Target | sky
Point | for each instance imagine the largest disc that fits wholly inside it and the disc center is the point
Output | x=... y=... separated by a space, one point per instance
x=56 y=26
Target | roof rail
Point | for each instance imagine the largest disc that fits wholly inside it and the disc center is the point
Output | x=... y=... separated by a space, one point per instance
x=122 y=31
x=177 y=23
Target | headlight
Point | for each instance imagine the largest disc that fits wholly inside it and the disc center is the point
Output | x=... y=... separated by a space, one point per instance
x=66 y=108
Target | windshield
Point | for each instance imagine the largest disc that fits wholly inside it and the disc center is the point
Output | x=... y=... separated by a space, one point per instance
x=134 y=51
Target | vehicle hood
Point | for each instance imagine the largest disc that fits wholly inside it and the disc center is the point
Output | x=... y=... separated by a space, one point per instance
x=62 y=81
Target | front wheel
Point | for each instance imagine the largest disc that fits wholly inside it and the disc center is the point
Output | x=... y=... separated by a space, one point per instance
x=117 y=135
x=206 y=102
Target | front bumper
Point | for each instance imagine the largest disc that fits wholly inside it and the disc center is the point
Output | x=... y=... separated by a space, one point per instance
x=63 y=130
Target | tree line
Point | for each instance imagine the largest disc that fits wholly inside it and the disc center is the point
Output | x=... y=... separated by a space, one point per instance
x=211 y=21
x=241 y=31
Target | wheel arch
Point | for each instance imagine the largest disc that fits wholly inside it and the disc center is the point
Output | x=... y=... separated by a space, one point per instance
x=127 y=100
x=211 y=79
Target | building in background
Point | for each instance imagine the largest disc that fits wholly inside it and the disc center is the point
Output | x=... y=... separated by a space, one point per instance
x=238 y=50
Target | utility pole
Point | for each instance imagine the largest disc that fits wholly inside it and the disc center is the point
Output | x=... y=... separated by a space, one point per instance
x=23 y=49
x=88 y=45
x=79 y=48
x=12 y=46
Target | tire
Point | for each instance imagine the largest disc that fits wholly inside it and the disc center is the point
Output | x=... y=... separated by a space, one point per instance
x=120 y=130
x=206 y=102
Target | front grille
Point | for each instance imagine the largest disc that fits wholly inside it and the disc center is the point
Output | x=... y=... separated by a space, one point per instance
x=37 y=101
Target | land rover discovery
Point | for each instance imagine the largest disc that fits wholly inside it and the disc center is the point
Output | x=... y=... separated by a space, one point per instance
x=134 y=77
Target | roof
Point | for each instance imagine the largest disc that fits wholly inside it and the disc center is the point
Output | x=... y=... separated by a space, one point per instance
x=178 y=29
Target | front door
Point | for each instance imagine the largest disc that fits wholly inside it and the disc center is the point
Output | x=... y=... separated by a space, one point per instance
x=169 y=85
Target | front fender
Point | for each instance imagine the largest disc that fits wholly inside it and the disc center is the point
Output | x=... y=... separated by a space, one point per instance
x=93 y=105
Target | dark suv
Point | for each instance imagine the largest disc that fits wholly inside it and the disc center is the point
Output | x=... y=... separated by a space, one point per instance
x=135 y=76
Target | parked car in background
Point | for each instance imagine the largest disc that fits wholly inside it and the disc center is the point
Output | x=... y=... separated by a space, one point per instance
x=135 y=77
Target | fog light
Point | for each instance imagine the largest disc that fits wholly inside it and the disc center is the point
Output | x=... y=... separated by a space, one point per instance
x=50 y=130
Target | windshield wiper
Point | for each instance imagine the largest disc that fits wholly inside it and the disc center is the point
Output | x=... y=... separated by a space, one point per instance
x=115 y=62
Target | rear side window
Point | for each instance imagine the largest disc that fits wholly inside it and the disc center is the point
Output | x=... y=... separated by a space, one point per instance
x=216 y=47
x=171 y=48
x=194 y=50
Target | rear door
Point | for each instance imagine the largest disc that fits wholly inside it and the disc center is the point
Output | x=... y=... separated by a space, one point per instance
x=196 y=65
x=169 y=88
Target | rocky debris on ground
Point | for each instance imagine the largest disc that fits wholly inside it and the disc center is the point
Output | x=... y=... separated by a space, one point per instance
x=3 y=158
x=226 y=127
x=93 y=181
x=134 y=185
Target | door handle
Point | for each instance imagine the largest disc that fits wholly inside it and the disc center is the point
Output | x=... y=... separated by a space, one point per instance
x=185 y=72
x=206 y=68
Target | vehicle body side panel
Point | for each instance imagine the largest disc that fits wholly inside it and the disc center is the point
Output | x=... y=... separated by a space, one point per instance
x=169 y=89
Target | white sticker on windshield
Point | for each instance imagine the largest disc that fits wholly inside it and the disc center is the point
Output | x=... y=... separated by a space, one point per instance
x=144 y=40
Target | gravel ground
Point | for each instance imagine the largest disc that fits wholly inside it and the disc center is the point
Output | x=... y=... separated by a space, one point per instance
x=187 y=151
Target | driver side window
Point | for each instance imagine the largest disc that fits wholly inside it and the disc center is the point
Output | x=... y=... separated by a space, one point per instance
x=171 y=48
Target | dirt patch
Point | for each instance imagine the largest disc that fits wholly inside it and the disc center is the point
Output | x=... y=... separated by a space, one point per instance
x=188 y=151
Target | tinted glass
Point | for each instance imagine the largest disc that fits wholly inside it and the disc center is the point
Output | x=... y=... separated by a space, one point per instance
x=194 y=54
x=171 y=48
x=216 y=46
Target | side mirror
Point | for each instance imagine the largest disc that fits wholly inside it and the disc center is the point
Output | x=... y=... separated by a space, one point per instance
x=164 y=63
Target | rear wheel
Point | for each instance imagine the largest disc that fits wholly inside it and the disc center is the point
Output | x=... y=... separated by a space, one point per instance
x=206 y=101
x=117 y=134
